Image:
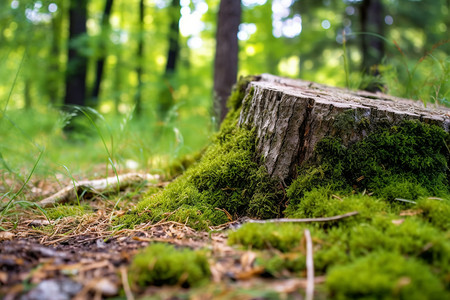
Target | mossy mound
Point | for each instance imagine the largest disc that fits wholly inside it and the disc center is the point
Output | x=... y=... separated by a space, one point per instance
x=62 y=211
x=410 y=237
x=405 y=161
x=163 y=264
x=228 y=182
x=384 y=275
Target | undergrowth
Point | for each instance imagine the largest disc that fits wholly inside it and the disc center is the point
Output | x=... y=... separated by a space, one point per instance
x=402 y=240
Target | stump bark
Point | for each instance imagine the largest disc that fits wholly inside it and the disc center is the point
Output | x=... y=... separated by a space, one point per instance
x=291 y=116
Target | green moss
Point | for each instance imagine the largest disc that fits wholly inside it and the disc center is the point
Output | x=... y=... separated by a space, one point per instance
x=378 y=227
x=163 y=264
x=436 y=212
x=237 y=96
x=405 y=161
x=180 y=165
x=384 y=275
x=228 y=178
x=326 y=202
x=283 y=237
x=282 y=264
x=62 y=211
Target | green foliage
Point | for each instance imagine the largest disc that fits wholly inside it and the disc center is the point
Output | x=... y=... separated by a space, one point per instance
x=384 y=275
x=163 y=264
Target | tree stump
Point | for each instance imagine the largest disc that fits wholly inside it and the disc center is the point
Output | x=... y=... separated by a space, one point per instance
x=291 y=116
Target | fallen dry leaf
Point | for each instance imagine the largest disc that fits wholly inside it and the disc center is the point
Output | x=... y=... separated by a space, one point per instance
x=411 y=212
x=3 y=277
x=245 y=275
x=247 y=260
x=6 y=236
x=398 y=222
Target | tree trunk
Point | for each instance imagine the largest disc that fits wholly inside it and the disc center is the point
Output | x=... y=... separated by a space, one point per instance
x=226 y=59
x=140 y=56
x=101 y=60
x=174 y=33
x=372 y=47
x=166 y=99
x=291 y=116
x=54 y=69
x=76 y=61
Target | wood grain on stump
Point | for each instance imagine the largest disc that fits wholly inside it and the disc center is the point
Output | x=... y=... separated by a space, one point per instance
x=291 y=116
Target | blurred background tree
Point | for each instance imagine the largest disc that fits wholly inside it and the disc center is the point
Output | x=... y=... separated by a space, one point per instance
x=156 y=59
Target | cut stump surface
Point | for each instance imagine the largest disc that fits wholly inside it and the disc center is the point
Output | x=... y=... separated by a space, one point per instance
x=291 y=116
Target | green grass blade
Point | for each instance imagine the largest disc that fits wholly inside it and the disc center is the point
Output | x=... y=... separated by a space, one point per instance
x=11 y=201
x=74 y=183
x=14 y=82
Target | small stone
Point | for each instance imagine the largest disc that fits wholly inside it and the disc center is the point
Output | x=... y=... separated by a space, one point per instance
x=54 y=289
x=106 y=287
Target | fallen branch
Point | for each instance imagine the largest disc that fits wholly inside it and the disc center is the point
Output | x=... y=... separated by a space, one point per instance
x=307 y=220
x=97 y=186
x=309 y=266
x=239 y=222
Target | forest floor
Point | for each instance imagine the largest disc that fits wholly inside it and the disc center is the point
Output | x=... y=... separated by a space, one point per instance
x=82 y=256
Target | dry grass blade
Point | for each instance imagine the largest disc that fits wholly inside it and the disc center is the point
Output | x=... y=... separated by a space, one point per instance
x=309 y=266
x=125 y=284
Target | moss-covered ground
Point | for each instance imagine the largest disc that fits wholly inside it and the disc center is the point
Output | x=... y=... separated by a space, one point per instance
x=396 y=247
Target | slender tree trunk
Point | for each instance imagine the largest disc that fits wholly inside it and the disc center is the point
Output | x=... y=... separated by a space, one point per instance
x=140 y=56
x=117 y=87
x=76 y=61
x=54 y=77
x=174 y=40
x=101 y=60
x=372 y=47
x=226 y=58
x=166 y=99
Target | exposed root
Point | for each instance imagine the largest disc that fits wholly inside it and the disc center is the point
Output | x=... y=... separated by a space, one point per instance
x=96 y=186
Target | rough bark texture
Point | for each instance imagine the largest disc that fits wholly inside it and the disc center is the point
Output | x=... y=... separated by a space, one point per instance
x=292 y=116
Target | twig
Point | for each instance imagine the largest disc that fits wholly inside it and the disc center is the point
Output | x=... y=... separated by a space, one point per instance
x=98 y=185
x=307 y=220
x=309 y=266
x=126 y=285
